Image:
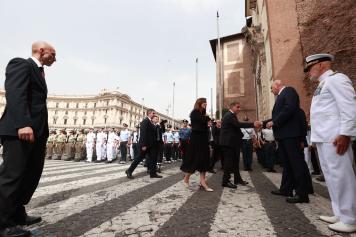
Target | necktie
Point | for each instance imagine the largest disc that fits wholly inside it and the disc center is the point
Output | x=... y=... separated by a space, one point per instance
x=42 y=72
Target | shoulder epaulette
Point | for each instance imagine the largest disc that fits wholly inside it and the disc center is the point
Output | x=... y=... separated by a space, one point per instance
x=332 y=74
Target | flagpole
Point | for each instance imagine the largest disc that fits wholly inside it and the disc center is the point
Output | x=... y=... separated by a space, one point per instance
x=220 y=68
x=196 y=78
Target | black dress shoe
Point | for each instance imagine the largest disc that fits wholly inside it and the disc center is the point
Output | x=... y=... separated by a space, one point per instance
x=271 y=171
x=156 y=176
x=14 y=231
x=229 y=185
x=28 y=220
x=241 y=182
x=128 y=174
x=298 y=199
x=279 y=193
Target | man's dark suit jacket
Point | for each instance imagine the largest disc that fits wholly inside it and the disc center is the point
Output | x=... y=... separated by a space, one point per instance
x=287 y=116
x=230 y=133
x=148 y=133
x=216 y=134
x=26 y=95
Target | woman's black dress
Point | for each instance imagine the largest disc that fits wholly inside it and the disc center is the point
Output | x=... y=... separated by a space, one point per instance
x=197 y=158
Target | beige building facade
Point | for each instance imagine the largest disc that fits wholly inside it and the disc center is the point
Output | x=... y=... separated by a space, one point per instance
x=108 y=109
x=238 y=82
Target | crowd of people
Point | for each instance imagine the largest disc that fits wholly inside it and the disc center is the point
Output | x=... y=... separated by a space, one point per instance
x=286 y=138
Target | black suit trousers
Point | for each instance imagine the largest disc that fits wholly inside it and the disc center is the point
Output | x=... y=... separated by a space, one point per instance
x=295 y=170
x=231 y=163
x=151 y=153
x=19 y=175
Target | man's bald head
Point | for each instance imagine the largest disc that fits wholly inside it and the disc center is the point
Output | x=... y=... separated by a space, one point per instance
x=44 y=52
x=277 y=85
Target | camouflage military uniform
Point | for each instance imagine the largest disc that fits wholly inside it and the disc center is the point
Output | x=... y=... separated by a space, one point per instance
x=79 y=147
x=61 y=139
x=69 y=147
x=50 y=145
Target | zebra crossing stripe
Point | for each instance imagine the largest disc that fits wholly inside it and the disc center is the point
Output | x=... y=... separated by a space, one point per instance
x=199 y=208
x=79 y=173
x=70 y=165
x=286 y=219
x=69 y=168
x=62 y=195
x=78 y=183
x=241 y=208
x=146 y=217
x=80 y=170
x=318 y=204
x=104 y=211
x=80 y=203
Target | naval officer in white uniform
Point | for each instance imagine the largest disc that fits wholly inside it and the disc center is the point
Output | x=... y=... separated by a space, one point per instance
x=333 y=126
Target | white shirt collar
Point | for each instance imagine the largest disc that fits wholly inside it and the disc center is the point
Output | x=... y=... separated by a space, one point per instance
x=37 y=62
x=280 y=91
x=325 y=74
x=231 y=111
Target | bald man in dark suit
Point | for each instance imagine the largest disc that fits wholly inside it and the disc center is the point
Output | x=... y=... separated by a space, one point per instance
x=23 y=133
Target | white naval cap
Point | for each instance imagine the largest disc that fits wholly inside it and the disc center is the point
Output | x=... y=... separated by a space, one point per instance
x=316 y=58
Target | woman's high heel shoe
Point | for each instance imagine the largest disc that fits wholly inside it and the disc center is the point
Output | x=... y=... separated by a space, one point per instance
x=207 y=189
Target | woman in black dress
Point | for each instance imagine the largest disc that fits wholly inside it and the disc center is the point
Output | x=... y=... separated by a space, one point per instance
x=198 y=148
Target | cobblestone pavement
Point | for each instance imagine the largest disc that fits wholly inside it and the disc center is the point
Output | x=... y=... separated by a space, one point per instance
x=87 y=199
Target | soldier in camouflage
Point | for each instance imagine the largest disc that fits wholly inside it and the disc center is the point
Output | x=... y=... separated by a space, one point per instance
x=50 y=144
x=79 y=145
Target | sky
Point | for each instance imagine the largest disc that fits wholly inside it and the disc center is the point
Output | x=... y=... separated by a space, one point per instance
x=138 y=46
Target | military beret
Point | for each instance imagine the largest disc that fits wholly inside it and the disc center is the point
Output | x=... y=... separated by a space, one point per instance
x=185 y=121
x=316 y=58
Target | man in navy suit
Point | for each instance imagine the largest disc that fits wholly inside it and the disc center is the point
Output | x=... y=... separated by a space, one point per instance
x=289 y=129
x=24 y=133
x=148 y=146
x=231 y=142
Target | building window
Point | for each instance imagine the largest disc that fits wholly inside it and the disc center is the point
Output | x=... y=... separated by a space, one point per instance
x=57 y=104
x=54 y=121
x=66 y=113
x=106 y=111
x=75 y=121
x=77 y=105
x=56 y=112
x=76 y=112
x=107 y=103
x=65 y=121
x=84 y=121
x=67 y=105
x=92 y=122
x=105 y=120
x=94 y=105
x=86 y=105
x=85 y=112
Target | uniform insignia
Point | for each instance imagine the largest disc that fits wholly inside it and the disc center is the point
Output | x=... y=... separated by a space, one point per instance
x=319 y=88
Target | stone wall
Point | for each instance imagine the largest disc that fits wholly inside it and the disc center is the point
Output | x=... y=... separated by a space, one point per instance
x=329 y=26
